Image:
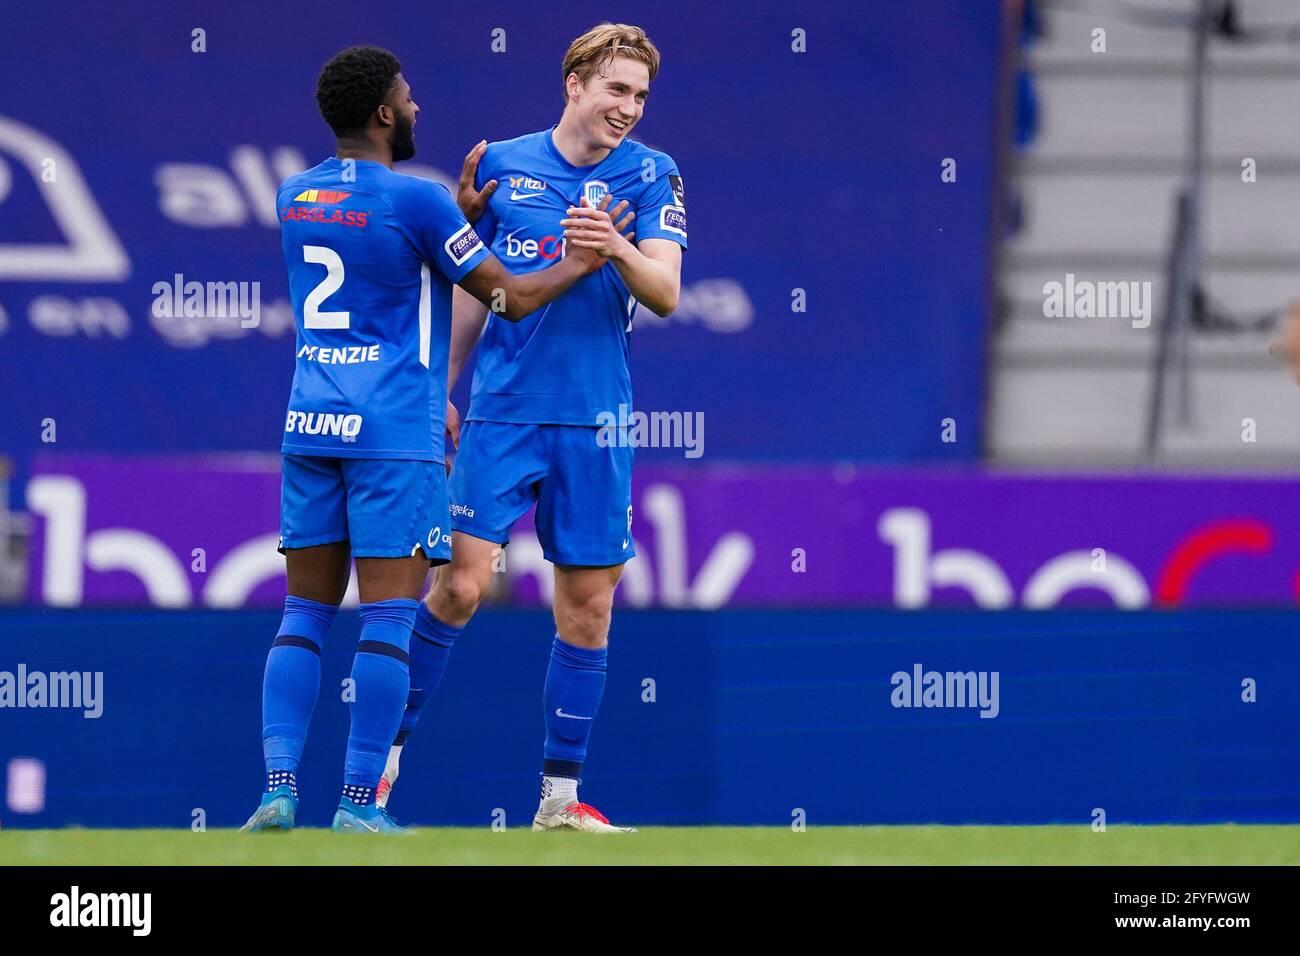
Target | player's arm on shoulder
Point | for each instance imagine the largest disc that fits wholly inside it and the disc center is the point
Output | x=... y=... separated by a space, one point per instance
x=472 y=200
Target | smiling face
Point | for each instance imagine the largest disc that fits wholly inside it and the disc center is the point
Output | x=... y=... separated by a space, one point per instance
x=610 y=102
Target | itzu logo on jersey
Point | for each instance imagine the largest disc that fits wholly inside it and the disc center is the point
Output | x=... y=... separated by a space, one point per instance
x=346 y=427
x=525 y=187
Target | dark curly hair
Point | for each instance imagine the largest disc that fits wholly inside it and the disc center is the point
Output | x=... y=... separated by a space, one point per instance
x=353 y=84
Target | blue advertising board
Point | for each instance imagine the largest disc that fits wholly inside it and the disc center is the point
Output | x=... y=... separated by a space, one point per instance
x=728 y=717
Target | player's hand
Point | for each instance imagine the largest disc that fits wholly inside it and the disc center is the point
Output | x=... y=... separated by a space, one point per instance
x=1285 y=346
x=598 y=231
x=453 y=432
x=473 y=201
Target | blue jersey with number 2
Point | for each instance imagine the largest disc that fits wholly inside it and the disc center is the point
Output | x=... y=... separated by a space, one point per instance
x=372 y=256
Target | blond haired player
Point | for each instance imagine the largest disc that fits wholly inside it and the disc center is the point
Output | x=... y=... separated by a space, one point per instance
x=532 y=433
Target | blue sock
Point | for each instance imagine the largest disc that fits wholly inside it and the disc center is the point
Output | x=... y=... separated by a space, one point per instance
x=291 y=682
x=575 y=683
x=381 y=682
x=430 y=652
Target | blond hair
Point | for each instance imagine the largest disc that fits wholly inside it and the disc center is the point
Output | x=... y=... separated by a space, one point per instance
x=596 y=48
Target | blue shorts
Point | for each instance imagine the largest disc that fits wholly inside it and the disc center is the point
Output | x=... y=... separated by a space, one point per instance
x=383 y=507
x=583 y=490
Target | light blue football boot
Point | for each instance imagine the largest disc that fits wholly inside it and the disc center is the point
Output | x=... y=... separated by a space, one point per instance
x=354 y=818
x=278 y=810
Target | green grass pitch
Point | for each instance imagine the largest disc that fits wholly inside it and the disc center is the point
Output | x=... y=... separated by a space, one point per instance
x=1221 y=845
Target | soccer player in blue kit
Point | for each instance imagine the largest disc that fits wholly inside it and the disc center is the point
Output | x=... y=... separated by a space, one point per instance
x=531 y=430
x=372 y=256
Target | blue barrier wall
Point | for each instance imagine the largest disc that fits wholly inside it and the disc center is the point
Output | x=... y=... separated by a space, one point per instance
x=755 y=714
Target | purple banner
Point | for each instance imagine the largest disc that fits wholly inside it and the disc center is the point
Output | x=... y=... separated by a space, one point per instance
x=203 y=532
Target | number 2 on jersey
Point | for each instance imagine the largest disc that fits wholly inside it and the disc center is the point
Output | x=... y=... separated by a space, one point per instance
x=312 y=317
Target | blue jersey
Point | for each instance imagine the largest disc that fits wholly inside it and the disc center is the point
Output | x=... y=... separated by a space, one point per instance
x=567 y=362
x=371 y=264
